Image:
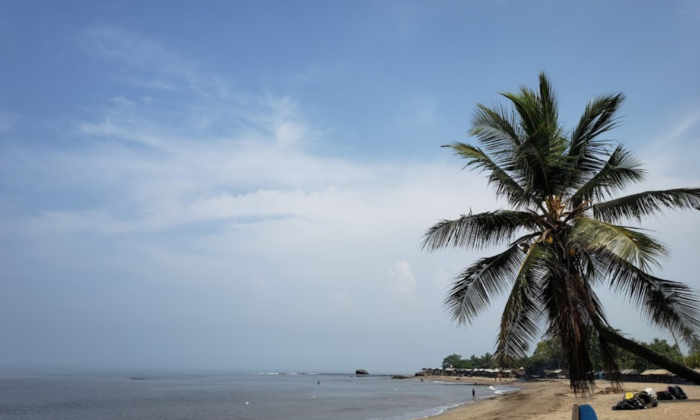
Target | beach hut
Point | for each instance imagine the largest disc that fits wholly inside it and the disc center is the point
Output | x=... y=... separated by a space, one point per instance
x=631 y=375
x=657 y=375
x=555 y=374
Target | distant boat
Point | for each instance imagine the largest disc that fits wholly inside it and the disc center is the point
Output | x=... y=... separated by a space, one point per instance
x=361 y=372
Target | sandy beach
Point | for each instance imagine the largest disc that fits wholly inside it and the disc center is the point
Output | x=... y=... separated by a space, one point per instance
x=550 y=400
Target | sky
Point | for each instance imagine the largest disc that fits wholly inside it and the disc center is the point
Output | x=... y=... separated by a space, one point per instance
x=245 y=185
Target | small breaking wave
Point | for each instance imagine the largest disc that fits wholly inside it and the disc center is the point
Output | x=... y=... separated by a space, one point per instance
x=423 y=414
x=503 y=390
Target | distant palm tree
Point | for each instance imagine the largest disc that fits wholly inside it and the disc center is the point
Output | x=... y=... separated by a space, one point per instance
x=562 y=233
x=488 y=361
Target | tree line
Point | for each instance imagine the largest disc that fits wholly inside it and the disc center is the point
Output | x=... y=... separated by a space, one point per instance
x=549 y=355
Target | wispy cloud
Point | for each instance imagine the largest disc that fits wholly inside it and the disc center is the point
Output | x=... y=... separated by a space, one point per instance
x=674 y=153
x=685 y=125
x=236 y=180
x=150 y=64
x=234 y=160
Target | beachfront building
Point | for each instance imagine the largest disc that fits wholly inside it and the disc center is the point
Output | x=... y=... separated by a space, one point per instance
x=649 y=375
x=555 y=374
x=481 y=372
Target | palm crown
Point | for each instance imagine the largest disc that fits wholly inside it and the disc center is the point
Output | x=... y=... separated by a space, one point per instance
x=562 y=231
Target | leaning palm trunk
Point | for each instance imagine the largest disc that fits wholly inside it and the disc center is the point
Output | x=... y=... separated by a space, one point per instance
x=637 y=349
x=563 y=235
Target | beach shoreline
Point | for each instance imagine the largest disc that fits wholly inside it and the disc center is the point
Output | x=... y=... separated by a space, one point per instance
x=552 y=400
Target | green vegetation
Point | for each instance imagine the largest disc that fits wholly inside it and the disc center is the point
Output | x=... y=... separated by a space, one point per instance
x=566 y=232
x=456 y=361
x=549 y=355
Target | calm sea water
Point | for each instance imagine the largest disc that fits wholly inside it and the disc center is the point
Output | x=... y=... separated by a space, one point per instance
x=244 y=396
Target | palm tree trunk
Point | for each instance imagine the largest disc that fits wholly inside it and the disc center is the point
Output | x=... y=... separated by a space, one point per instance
x=651 y=356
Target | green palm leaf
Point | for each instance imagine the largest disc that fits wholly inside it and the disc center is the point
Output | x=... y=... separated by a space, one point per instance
x=600 y=116
x=538 y=160
x=620 y=169
x=477 y=230
x=665 y=303
x=503 y=183
x=624 y=242
x=496 y=129
x=474 y=287
x=521 y=316
x=637 y=206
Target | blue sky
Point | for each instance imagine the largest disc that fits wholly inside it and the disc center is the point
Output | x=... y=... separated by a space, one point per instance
x=244 y=185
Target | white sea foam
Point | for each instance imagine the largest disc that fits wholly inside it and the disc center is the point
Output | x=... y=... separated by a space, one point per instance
x=448 y=383
x=503 y=391
x=423 y=414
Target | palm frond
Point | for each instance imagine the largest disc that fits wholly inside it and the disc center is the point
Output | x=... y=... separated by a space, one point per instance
x=503 y=183
x=526 y=105
x=521 y=316
x=627 y=243
x=601 y=115
x=539 y=159
x=474 y=287
x=585 y=146
x=496 y=129
x=665 y=303
x=548 y=101
x=621 y=168
x=477 y=231
x=636 y=206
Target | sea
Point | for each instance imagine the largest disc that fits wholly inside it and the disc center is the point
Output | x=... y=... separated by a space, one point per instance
x=227 y=396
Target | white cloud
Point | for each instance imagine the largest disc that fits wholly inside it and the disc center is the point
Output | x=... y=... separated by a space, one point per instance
x=120 y=100
x=401 y=279
x=263 y=171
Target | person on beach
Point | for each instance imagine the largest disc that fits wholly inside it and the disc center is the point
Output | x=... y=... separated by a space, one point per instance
x=473 y=394
x=319 y=382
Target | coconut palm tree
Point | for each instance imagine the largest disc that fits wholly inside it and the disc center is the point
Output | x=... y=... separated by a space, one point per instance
x=562 y=233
